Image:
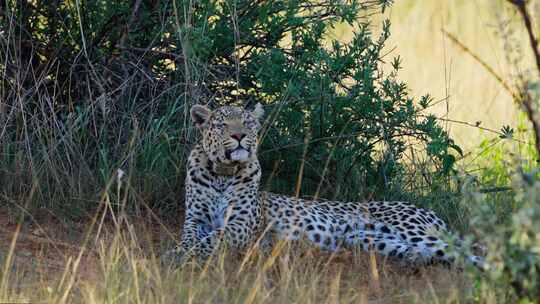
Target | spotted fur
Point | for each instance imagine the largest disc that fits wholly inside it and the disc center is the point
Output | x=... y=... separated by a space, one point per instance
x=224 y=203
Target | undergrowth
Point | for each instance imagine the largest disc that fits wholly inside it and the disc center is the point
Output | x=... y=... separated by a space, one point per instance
x=90 y=88
x=116 y=263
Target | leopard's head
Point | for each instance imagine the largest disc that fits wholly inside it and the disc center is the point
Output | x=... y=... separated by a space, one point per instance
x=229 y=133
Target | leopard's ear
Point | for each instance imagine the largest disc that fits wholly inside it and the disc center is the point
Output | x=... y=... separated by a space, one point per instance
x=258 y=111
x=200 y=115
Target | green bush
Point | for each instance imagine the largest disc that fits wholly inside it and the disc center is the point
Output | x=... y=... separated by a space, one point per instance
x=512 y=241
x=93 y=86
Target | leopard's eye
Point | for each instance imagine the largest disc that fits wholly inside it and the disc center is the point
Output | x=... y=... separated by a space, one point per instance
x=251 y=124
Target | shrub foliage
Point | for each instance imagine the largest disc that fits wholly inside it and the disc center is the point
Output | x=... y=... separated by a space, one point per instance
x=92 y=86
x=512 y=240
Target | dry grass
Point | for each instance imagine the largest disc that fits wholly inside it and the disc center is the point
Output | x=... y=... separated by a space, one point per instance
x=112 y=257
x=433 y=64
x=50 y=264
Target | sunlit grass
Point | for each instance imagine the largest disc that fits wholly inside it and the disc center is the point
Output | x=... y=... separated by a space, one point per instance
x=433 y=64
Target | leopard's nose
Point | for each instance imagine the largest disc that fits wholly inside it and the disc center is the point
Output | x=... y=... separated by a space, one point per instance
x=238 y=136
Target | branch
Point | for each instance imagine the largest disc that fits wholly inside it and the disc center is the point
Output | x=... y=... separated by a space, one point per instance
x=522 y=9
x=525 y=97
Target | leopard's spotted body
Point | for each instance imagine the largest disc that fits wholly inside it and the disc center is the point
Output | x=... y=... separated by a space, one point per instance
x=224 y=203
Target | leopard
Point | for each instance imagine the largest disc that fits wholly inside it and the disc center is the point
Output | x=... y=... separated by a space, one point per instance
x=225 y=205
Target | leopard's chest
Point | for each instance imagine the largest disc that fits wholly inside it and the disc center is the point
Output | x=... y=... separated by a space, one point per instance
x=220 y=201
